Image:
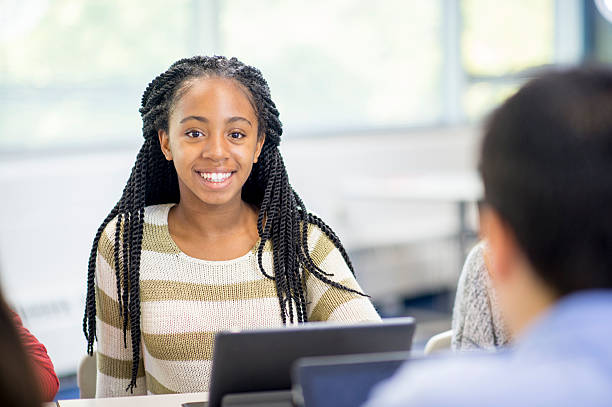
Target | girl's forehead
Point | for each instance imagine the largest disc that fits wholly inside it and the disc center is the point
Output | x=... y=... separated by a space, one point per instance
x=214 y=94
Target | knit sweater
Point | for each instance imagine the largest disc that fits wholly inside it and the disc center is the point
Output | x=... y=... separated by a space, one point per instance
x=477 y=321
x=184 y=301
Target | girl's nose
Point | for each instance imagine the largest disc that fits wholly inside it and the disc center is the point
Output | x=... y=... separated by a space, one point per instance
x=216 y=148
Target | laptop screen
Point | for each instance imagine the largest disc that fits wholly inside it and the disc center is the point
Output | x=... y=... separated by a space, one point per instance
x=261 y=360
x=342 y=381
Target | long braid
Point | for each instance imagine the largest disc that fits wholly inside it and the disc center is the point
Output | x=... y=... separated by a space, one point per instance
x=124 y=238
x=134 y=278
x=89 y=319
x=120 y=265
x=282 y=218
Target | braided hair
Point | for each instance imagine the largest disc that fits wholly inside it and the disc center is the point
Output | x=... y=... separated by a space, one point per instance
x=283 y=218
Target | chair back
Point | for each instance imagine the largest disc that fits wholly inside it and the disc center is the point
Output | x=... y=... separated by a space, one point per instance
x=86 y=376
x=439 y=342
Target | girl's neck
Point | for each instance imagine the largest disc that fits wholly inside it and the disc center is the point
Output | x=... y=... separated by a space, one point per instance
x=213 y=221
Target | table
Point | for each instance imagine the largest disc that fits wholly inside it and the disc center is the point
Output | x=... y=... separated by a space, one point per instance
x=162 y=400
x=459 y=188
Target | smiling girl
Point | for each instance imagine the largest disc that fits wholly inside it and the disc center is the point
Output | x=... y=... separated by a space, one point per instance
x=208 y=236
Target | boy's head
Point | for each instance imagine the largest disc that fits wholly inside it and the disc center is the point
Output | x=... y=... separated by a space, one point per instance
x=546 y=164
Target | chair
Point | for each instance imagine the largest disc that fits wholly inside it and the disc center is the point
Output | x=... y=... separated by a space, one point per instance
x=86 y=376
x=439 y=342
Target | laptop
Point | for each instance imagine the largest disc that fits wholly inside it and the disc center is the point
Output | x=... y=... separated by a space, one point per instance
x=257 y=363
x=342 y=381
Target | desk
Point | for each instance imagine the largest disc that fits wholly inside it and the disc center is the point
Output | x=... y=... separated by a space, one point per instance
x=162 y=400
x=460 y=189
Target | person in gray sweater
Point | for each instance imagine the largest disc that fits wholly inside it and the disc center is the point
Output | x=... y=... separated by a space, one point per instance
x=477 y=322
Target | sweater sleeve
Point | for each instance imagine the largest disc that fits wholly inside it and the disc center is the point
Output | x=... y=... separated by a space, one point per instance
x=41 y=363
x=328 y=303
x=114 y=356
x=477 y=321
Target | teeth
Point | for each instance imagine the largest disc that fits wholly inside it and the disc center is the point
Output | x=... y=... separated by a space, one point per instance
x=215 y=176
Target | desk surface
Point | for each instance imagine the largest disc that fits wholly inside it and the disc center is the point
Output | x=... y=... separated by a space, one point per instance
x=440 y=187
x=162 y=400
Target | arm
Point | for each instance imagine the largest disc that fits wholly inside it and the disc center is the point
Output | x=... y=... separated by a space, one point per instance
x=327 y=303
x=41 y=363
x=476 y=318
x=114 y=359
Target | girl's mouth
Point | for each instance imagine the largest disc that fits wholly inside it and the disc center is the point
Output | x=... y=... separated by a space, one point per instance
x=215 y=177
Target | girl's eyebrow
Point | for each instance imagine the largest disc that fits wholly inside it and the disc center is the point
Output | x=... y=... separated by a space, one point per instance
x=205 y=120
x=198 y=118
x=238 y=118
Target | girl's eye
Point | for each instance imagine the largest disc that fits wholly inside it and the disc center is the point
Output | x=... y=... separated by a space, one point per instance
x=194 y=133
x=236 y=135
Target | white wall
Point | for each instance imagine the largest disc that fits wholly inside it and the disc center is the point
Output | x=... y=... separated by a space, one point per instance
x=52 y=206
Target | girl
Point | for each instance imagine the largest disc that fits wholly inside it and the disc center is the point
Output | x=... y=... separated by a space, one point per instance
x=208 y=235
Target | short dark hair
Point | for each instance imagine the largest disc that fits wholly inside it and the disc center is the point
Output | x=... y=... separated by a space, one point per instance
x=546 y=163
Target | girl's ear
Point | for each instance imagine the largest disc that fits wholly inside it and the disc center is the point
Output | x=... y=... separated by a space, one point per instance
x=164 y=142
x=260 y=143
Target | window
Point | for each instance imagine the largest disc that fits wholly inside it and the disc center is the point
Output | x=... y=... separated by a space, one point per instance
x=500 y=40
x=72 y=72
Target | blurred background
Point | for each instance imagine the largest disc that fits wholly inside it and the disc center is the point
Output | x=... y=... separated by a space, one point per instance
x=382 y=104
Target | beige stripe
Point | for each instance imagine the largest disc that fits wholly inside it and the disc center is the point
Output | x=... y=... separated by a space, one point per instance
x=334 y=263
x=106 y=246
x=317 y=242
x=332 y=299
x=157 y=290
x=173 y=374
x=266 y=249
x=180 y=346
x=354 y=311
x=155 y=387
x=156 y=238
x=322 y=249
x=117 y=368
x=107 y=309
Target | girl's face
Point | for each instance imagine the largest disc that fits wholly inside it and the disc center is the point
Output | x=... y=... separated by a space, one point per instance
x=212 y=139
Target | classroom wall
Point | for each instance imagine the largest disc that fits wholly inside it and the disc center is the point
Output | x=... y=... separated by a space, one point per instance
x=52 y=206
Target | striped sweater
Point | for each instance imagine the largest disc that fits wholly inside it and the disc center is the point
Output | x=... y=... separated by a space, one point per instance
x=184 y=301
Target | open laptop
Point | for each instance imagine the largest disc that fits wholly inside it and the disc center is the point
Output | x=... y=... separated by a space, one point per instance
x=342 y=381
x=258 y=362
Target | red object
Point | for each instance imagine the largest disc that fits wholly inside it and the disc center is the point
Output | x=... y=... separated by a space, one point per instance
x=41 y=363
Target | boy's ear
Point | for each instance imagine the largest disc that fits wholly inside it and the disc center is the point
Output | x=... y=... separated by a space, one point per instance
x=164 y=142
x=502 y=249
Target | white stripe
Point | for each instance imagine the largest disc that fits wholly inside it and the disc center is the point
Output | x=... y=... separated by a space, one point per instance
x=168 y=317
x=313 y=237
x=335 y=264
x=108 y=386
x=110 y=341
x=105 y=278
x=157 y=214
x=109 y=230
x=169 y=267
